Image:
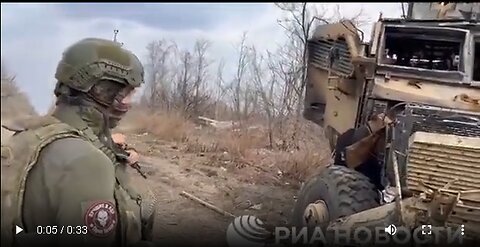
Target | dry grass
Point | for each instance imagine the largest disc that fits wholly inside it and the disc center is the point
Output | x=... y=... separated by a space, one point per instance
x=234 y=142
x=299 y=165
x=250 y=148
x=239 y=142
x=168 y=126
x=240 y=148
x=14 y=103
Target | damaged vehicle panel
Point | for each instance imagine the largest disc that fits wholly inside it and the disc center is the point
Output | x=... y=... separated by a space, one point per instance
x=438 y=60
x=402 y=114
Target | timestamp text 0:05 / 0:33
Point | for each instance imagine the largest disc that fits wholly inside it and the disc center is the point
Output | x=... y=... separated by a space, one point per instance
x=70 y=230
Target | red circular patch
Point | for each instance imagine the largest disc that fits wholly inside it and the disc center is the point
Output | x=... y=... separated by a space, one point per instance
x=101 y=218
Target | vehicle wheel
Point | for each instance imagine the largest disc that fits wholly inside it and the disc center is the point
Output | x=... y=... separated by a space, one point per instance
x=336 y=192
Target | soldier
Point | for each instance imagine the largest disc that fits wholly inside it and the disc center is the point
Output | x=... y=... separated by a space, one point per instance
x=62 y=180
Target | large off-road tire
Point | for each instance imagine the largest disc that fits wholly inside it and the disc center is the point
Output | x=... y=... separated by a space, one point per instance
x=343 y=191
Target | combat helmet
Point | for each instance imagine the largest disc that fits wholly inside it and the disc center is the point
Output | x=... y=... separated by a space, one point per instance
x=101 y=69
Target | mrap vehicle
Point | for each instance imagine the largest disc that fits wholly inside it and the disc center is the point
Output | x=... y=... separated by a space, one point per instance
x=402 y=115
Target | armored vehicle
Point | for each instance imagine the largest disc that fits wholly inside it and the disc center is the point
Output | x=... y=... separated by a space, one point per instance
x=414 y=92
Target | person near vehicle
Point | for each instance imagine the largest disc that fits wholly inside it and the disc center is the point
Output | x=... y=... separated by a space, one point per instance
x=62 y=180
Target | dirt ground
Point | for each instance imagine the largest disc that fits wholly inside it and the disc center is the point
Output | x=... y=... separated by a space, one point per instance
x=238 y=190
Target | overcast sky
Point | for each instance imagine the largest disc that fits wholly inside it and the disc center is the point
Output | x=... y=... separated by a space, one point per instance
x=33 y=36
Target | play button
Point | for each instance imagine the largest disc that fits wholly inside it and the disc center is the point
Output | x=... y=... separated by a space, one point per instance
x=18 y=230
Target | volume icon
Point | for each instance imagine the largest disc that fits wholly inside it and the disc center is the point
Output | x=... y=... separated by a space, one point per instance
x=391 y=229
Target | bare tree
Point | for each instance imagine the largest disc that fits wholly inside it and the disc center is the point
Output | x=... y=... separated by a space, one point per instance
x=264 y=88
x=239 y=77
x=221 y=88
x=359 y=18
x=202 y=63
x=158 y=73
x=184 y=78
x=192 y=72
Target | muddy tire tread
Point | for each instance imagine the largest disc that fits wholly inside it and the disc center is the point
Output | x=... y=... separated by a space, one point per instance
x=354 y=191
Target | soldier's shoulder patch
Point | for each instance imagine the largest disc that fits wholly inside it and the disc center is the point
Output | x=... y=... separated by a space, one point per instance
x=101 y=218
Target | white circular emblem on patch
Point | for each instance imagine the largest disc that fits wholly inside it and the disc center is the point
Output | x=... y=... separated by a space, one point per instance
x=101 y=218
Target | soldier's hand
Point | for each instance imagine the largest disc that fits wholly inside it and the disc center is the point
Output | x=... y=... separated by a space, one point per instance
x=133 y=156
x=119 y=138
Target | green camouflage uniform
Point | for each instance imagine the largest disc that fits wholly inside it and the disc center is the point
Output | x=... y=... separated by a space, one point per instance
x=60 y=173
